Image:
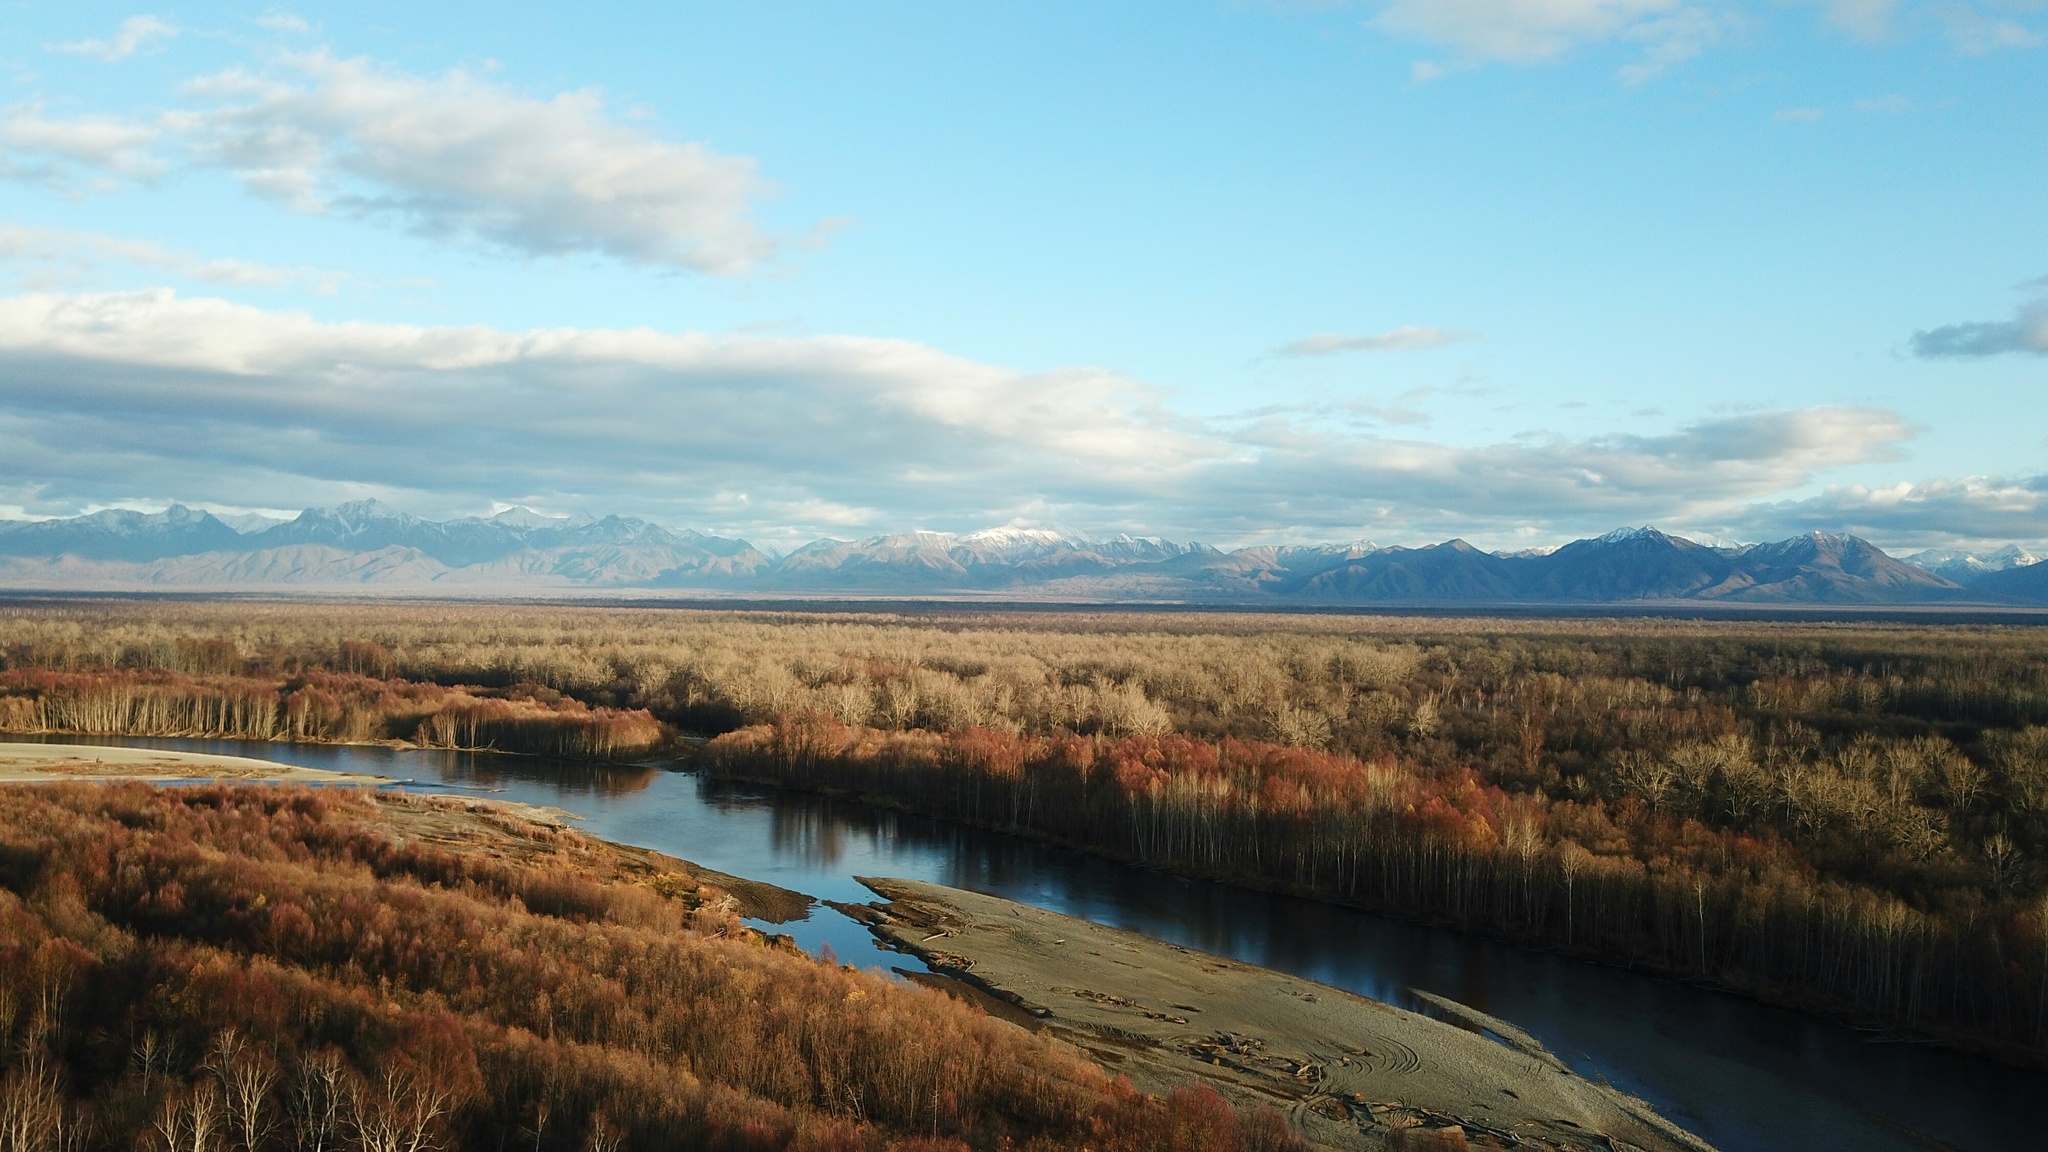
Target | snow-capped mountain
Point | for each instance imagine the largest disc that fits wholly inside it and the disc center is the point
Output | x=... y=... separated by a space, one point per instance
x=119 y=534
x=366 y=544
x=361 y=542
x=1966 y=568
x=247 y=523
x=988 y=559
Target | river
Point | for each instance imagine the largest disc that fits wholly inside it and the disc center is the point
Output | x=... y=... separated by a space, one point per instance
x=1746 y=1076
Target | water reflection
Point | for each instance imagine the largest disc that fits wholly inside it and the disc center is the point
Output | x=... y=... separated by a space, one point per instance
x=497 y=773
x=1748 y=1077
x=811 y=835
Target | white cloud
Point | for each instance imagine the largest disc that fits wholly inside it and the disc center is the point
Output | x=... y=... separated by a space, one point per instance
x=460 y=157
x=1536 y=31
x=1550 y=482
x=1869 y=20
x=110 y=395
x=1671 y=40
x=283 y=22
x=58 y=253
x=135 y=33
x=1407 y=338
x=1972 y=29
x=2027 y=331
x=1973 y=512
x=1973 y=32
x=1517 y=30
x=453 y=157
x=54 y=151
x=1670 y=32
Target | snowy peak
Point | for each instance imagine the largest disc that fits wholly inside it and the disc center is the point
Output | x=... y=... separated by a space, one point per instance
x=359 y=514
x=514 y=549
x=247 y=523
x=1016 y=538
x=118 y=534
x=990 y=559
x=1624 y=535
x=1968 y=568
x=519 y=517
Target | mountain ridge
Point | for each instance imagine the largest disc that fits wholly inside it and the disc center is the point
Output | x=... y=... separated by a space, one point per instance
x=369 y=545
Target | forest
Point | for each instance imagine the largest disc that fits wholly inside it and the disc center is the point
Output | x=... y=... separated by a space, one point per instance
x=1850 y=817
x=255 y=968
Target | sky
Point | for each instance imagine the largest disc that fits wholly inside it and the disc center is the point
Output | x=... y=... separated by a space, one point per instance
x=1516 y=271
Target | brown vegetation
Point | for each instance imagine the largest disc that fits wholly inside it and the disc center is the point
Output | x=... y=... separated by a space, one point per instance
x=1620 y=879
x=320 y=706
x=221 y=968
x=1853 y=816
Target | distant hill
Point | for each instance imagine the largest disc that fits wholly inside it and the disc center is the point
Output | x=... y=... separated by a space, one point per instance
x=2028 y=584
x=1629 y=564
x=1967 y=568
x=1827 y=569
x=366 y=545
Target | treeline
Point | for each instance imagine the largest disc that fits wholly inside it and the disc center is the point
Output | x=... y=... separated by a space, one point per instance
x=1617 y=876
x=321 y=706
x=1433 y=689
x=258 y=969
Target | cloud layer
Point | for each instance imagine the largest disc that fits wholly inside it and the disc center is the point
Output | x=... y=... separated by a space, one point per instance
x=135 y=33
x=67 y=153
x=56 y=255
x=1665 y=33
x=125 y=396
x=1407 y=338
x=1974 y=511
x=455 y=157
x=2027 y=331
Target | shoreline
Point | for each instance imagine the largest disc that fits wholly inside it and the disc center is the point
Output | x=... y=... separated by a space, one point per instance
x=22 y=763
x=1875 y=1030
x=1349 y=1071
x=675 y=756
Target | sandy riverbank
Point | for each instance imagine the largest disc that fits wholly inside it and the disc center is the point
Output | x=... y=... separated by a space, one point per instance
x=1351 y=1072
x=24 y=762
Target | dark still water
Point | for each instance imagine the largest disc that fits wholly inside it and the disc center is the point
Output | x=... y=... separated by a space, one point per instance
x=1744 y=1076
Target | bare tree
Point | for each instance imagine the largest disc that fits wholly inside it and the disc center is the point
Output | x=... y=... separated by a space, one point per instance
x=401 y=1111
x=319 y=1092
x=193 y=1120
x=1571 y=861
x=246 y=1074
x=605 y=1136
x=31 y=1108
x=151 y=1055
x=2002 y=860
x=1961 y=781
x=1648 y=775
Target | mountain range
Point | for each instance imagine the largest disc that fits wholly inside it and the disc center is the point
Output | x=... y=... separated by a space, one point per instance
x=366 y=545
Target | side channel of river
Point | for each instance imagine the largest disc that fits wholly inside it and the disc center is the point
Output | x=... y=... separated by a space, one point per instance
x=1745 y=1076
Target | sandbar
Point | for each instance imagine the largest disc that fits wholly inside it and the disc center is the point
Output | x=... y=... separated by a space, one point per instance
x=44 y=762
x=1350 y=1072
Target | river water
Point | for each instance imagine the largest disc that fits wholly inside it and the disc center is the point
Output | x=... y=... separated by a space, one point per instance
x=1747 y=1077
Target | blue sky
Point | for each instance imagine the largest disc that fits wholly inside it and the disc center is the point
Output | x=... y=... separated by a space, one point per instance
x=1515 y=270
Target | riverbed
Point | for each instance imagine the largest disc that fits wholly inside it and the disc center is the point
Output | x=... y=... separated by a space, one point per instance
x=1747 y=1077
